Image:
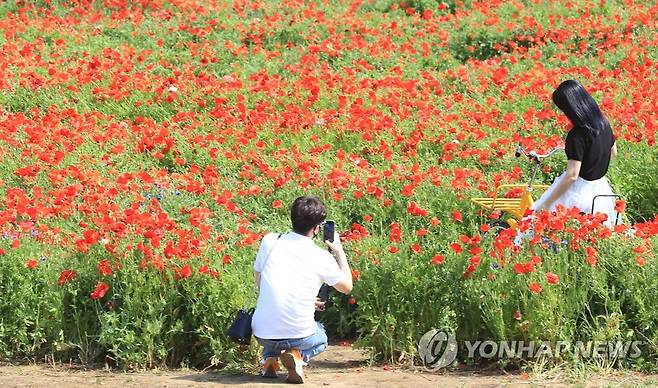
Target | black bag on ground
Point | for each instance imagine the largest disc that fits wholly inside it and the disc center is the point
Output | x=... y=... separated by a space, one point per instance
x=240 y=330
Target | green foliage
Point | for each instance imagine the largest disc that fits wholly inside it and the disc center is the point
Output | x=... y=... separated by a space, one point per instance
x=635 y=181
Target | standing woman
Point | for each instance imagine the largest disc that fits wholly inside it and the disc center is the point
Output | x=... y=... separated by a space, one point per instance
x=589 y=146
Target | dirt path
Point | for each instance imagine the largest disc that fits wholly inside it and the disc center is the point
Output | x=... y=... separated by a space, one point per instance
x=339 y=366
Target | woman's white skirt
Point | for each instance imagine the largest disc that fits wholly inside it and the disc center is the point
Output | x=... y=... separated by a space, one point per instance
x=581 y=194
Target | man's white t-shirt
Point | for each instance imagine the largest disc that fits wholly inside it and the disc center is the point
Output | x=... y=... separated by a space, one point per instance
x=289 y=283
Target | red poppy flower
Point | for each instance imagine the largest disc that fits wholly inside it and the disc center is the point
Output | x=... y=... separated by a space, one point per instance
x=99 y=291
x=184 y=272
x=226 y=259
x=421 y=232
x=519 y=268
x=416 y=248
x=104 y=268
x=205 y=269
x=475 y=250
x=591 y=256
x=620 y=206
x=455 y=247
x=66 y=276
x=475 y=260
x=395 y=233
x=415 y=210
x=437 y=259
x=552 y=278
x=535 y=287
x=32 y=264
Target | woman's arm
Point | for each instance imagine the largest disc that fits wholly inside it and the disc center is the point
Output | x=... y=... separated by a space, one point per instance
x=258 y=280
x=573 y=170
x=613 y=150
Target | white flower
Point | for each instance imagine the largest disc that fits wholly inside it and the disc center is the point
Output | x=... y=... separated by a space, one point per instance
x=173 y=89
x=455 y=141
x=105 y=241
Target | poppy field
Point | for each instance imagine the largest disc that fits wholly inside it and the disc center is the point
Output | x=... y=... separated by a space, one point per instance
x=146 y=146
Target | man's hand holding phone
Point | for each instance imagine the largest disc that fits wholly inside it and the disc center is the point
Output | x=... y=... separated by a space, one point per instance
x=335 y=246
x=332 y=239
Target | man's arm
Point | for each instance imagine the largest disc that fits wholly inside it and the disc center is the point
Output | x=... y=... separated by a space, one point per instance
x=345 y=285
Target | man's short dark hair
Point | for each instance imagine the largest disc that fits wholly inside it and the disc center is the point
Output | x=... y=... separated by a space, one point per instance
x=306 y=213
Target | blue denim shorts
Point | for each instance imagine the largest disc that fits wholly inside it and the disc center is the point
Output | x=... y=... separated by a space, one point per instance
x=310 y=346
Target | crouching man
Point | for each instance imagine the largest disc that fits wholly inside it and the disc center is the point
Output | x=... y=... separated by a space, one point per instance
x=290 y=269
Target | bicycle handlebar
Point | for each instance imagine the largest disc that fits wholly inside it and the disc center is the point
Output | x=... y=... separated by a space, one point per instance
x=535 y=156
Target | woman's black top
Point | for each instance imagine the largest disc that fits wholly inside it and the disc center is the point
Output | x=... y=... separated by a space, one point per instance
x=593 y=151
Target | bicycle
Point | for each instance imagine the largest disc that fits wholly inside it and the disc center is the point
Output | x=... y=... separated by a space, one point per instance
x=517 y=206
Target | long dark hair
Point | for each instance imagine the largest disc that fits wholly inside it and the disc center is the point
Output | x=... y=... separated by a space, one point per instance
x=572 y=99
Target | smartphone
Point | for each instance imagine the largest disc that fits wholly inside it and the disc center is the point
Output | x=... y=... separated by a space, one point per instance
x=328 y=230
